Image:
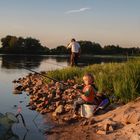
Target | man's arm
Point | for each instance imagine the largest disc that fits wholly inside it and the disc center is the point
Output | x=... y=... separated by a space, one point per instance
x=69 y=45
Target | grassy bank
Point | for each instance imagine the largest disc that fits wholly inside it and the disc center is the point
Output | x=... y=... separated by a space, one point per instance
x=119 y=79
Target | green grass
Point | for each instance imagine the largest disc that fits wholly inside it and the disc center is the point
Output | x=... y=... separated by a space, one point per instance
x=121 y=80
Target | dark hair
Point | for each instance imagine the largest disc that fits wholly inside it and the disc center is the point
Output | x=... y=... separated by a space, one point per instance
x=73 y=40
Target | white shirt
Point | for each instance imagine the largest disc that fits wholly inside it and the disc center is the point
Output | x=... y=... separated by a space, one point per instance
x=74 y=47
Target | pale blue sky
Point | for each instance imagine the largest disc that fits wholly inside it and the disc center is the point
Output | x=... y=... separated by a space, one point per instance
x=55 y=22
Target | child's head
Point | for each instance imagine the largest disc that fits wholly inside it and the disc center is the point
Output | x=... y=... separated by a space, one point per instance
x=88 y=78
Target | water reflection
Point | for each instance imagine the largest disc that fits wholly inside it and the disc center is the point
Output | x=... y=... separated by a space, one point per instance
x=88 y=60
x=19 y=61
x=34 y=61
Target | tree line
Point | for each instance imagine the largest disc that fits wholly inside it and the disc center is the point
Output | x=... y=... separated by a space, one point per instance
x=29 y=45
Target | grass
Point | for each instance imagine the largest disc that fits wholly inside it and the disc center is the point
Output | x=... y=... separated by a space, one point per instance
x=120 y=80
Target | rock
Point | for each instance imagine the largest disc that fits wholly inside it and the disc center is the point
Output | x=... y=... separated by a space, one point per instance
x=131 y=117
x=91 y=121
x=27 y=89
x=101 y=132
x=135 y=136
x=84 y=123
x=68 y=107
x=54 y=114
x=17 y=92
x=66 y=119
x=59 y=109
x=57 y=103
x=106 y=127
x=18 y=87
x=21 y=101
x=15 y=106
x=33 y=107
x=14 y=81
x=110 y=129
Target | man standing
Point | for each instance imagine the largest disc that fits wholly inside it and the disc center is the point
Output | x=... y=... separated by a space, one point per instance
x=75 y=52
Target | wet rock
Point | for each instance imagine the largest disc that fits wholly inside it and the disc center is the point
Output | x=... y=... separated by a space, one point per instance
x=18 y=87
x=14 y=81
x=17 y=92
x=15 y=106
x=33 y=107
x=21 y=101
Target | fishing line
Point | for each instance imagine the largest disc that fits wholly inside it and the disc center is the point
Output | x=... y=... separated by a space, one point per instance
x=56 y=64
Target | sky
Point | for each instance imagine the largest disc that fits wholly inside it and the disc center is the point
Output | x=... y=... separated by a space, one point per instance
x=55 y=22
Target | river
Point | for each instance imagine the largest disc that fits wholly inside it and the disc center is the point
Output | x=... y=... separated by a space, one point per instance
x=11 y=68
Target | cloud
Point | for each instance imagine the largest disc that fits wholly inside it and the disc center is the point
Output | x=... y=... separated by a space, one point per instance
x=78 y=10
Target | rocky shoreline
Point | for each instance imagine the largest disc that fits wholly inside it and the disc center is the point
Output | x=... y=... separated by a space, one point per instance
x=116 y=122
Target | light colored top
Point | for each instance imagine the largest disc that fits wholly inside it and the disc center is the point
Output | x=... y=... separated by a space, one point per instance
x=75 y=47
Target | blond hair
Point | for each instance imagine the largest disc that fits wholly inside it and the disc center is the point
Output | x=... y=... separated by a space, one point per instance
x=89 y=75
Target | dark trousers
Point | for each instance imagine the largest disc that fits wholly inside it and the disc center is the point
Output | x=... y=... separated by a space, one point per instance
x=77 y=104
x=74 y=59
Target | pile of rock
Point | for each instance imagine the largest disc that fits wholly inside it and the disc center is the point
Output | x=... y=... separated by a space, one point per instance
x=48 y=97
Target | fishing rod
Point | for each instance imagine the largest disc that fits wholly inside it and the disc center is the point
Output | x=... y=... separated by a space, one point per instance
x=43 y=75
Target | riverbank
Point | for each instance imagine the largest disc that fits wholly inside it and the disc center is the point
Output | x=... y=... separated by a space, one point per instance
x=116 y=122
x=122 y=123
x=55 y=98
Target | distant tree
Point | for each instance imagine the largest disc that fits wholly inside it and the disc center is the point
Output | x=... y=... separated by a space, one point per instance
x=60 y=50
x=5 y=41
x=9 y=43
x=12 y=44
x=46 y=50
x=89 y=47
x=29 y=45
x=112 y=49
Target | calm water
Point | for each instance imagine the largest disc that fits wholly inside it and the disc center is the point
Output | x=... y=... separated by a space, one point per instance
x=11 y=68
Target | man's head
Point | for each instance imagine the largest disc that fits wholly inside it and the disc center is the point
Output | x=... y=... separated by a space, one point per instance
x=73 y=40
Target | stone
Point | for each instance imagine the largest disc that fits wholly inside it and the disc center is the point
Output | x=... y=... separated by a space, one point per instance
x=84 y=123
x=91 y=121
x=106 y=127
x=57 y=103
x=131 y=117
x=17 y=92
x=101 y=132
x=59 y=109
x=135 y=136
x=110 y=129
